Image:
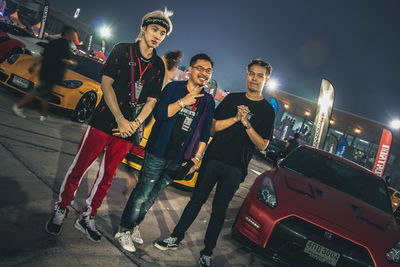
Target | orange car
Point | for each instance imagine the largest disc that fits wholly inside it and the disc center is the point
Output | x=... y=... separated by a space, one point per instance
x=395 y=196
x=79 y=92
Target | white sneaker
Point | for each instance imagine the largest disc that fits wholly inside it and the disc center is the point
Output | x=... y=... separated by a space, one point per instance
x=136 y=237
x=43 y=118
x=18 y=111
x=125 y=240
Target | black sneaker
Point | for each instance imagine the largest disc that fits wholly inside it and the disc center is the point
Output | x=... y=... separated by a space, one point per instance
x=54 y=225
x=87 y=226
x=204 y=261
x=168 y=243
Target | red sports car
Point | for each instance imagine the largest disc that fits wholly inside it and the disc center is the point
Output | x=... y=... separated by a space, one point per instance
x=317 y=209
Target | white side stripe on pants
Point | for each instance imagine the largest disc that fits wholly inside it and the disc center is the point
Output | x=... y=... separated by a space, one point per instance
x=95 y=186
x=73 y=165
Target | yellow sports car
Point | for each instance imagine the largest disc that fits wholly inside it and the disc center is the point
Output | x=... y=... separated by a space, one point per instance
x=79 y=92
x=135 y=160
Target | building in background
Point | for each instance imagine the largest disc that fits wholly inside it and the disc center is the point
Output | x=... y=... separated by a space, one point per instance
x=360 y=136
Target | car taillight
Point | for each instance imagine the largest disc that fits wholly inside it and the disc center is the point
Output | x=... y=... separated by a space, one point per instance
x=71 y=84
x=266 y=193
x=11 y=59
x=393 y=255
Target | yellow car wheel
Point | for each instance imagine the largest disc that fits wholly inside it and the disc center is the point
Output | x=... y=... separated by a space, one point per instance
x=85 y=107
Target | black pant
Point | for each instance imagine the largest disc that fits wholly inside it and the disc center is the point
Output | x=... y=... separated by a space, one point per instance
x=228 y=179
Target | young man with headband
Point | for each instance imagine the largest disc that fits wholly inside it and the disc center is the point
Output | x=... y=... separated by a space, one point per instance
x=241 y=122
x=132 y=80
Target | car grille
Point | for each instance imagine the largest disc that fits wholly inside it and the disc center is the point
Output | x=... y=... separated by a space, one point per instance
x=3 y=76
x=289 y=238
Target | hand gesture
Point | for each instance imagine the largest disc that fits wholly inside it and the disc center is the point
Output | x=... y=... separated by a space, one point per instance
x=125 y=128
x=191 y=97
x=242 y=113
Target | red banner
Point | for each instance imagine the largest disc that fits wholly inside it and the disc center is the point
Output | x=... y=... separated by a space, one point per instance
x=383 y=153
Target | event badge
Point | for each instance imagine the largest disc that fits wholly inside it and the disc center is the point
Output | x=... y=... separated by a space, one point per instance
x=138 y=89
x=186 y=124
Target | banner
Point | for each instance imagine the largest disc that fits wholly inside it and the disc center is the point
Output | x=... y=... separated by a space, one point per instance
x=323 y=115
x=274 y=104
x=44 y=19
x=341 y=149
x=383 y=153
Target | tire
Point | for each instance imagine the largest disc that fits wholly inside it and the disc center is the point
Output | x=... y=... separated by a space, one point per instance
x=85 y=107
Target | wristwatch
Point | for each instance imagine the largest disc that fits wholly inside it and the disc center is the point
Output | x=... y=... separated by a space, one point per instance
x=248 y=126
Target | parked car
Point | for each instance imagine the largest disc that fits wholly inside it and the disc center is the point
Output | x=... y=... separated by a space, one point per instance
x=274 y=149
x=317 y=209
x=79 y=92
x=34 y=45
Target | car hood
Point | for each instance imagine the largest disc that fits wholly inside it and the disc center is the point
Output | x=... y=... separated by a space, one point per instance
x=336 y=210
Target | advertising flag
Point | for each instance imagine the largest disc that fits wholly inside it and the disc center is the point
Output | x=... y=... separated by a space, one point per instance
x=383 y=153
x=323 y=115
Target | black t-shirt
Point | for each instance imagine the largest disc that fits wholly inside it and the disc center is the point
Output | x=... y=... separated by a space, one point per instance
x=232 y=145
x=117 y=67
x=53 y=69
x=181 y=128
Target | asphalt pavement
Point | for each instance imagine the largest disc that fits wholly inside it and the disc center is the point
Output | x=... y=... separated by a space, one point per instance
x=34 y=159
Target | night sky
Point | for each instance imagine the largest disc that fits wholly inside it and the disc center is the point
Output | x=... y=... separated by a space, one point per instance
x=353 y=43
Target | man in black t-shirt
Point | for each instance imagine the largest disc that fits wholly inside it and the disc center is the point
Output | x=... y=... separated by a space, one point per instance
x=241 y=122
x=56 y=56
x=132 y=79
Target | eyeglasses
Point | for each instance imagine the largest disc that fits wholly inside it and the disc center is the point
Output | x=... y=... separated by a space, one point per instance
x=202 y=69
x=252 y=74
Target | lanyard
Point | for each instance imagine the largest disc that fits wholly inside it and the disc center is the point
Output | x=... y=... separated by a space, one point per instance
x=140 y=67
x=195 y=104
x=132 y=82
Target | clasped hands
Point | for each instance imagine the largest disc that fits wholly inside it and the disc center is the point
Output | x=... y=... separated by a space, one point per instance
x=241 y=115
x=125 y=128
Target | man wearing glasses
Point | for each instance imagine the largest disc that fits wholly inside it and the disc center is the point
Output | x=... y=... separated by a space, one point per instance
x=183 y=119
x=241 y=122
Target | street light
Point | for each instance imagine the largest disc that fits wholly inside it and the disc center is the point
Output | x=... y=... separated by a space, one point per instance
x=105 y=32
x=272 y=84
x=395 y=124
x=286 y=106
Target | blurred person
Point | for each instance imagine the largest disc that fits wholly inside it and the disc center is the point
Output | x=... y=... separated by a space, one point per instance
x=242 y=122
x=291 y=144
x=183 y=119
x=9 y=46
x=171 y=61
x=56 y=56
x=131 y=83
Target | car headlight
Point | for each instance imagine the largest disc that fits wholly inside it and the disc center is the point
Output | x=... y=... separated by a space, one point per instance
x=393 y=255
x=71 y=84
x=266 y=193
x=11 y=59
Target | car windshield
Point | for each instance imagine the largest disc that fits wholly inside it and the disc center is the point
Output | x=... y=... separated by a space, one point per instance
x=11 y=29
x=87 y=67
x=339 y=175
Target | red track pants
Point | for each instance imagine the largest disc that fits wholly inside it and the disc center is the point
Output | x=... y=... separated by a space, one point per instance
x=92 y=145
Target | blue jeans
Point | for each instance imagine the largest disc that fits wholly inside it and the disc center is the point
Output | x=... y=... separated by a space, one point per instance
x=155 y=176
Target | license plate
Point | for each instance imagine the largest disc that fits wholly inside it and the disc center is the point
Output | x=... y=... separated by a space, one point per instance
x=321 y=253
x=20 y=82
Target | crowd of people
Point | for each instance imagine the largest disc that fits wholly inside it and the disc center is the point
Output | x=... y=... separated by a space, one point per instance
x=136 y=85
